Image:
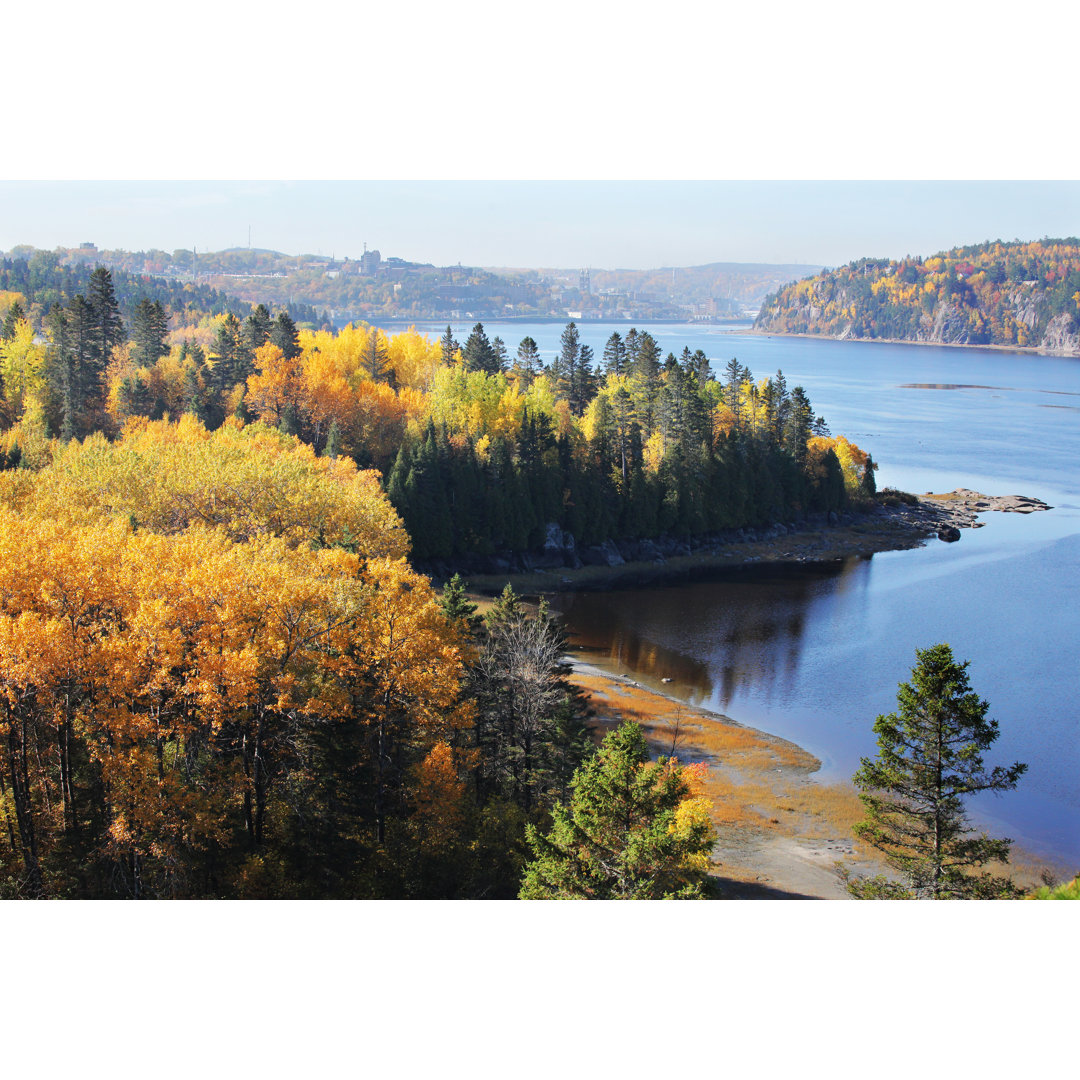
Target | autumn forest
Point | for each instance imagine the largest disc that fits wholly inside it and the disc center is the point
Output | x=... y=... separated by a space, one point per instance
x=225 y=670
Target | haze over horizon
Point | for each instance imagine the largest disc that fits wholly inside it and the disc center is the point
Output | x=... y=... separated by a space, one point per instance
x=611 y=225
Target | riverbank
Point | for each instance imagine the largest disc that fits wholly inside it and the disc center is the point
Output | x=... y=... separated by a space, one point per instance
x=781 y=832
x=1024 y=349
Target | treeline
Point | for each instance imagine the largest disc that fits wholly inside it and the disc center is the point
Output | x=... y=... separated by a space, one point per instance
x=219 y=677
x=1022 y=294
x=636 y=447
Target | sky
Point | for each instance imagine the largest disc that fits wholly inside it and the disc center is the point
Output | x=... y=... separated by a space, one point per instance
x=576 y=134
x=554 y=223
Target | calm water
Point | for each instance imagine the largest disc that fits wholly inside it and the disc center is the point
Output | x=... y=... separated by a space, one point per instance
x=815 y=654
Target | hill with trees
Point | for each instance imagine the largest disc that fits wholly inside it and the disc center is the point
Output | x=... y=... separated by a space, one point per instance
x=1018 y=295
x=373 y=288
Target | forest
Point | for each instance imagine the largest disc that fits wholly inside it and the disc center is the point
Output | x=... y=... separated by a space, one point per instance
x=221 y=675
x=1025 y=295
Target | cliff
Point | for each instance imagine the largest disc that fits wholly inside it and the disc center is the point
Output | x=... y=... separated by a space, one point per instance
x=1017 y=295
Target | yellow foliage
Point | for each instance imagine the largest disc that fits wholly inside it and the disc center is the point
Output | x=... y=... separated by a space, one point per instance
x=852 y=459
x=653 y=452
x=249 y=481
x=22 y=365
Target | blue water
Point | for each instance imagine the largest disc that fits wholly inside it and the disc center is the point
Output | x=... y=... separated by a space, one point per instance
x=815 y=655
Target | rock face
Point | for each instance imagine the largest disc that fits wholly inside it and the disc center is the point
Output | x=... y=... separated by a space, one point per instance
x=950 y=534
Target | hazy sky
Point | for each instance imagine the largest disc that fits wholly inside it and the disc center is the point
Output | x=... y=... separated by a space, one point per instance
x=640 y=224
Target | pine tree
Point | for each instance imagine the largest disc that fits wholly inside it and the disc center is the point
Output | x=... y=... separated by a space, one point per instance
x=869 y=484
x=498 y=350
x=257 y=328
x=376 y=355
x=633 y=831
x=333 y=441
x=930 y=758
x=583 y=389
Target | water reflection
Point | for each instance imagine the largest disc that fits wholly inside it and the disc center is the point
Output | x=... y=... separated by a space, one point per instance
x=716 y=640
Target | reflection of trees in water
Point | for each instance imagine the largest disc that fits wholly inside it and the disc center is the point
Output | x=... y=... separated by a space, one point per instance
x=740 y=630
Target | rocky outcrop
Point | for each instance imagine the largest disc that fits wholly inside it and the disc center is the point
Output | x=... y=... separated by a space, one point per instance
x=1059 y=340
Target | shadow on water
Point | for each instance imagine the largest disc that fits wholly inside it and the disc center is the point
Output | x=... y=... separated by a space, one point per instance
x=716 y=636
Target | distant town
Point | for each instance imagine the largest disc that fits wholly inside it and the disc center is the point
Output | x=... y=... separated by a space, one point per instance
x=345 y=289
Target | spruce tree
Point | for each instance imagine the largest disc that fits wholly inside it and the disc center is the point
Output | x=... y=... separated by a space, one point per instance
x=527 y=365
x=478 y=353
x=284 y=335
x=449 y=347
x=11 y=319
x=622 y=836
x=149 y=325
x=930 y=758
x=614 y=355
x=107 y=326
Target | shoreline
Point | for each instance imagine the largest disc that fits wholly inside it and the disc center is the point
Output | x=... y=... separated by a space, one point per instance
x=782 y=832
x=1027 y=350
x=895 y=525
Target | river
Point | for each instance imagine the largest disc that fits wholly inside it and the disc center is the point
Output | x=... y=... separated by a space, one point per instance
x=815 y=653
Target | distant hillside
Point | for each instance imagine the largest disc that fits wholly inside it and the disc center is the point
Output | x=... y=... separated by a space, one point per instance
x=1010 y=294
x=713 y=290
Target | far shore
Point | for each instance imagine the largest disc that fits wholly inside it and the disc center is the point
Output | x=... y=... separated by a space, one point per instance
x=1026 y=349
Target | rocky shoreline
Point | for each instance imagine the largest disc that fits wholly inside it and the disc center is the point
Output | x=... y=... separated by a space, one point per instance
x=896 y=521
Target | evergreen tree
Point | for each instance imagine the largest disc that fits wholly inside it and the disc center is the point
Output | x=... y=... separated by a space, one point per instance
x=457 y=608
x=149 y=325
x=498 y=349
x=449 y=347
x=632 y=831
x=11 y=319
x=869 y=484
x=614 y=355
x=930 y=758
x=333 y=441
x=284 y=335
x=61 y=374
x=478 y=353
x=583 y=388
x=107 y=328
x=375 y=356
x=257 y=327
x=527 y=364
x=564 y=371
x=646 y=372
